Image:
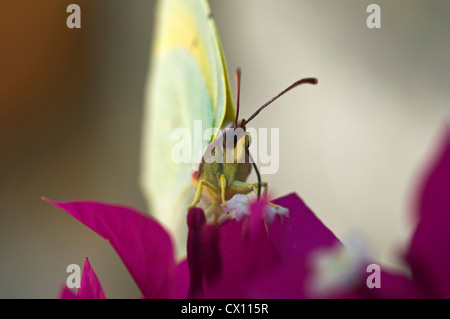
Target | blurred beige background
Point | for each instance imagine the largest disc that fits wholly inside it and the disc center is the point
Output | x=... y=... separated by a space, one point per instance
x=351 y=147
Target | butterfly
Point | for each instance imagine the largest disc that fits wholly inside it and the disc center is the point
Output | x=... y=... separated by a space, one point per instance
x=188 y=84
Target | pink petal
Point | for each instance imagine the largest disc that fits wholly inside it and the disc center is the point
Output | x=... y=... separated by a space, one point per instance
x=260 y=251
x=294 y=237
x=182 y=280
x=142 y=244
x=248 y=257
x=231 y=243
x=299 y=234
x=429 y=253
x=245 y=245
x=270 y=262
x=66 y=293
x=90 y=287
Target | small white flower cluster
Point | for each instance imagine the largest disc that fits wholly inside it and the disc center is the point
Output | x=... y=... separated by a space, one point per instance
x=239 y=203
x=335 y=267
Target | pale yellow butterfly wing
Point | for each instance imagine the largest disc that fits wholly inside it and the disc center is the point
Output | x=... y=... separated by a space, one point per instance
x=187 y=82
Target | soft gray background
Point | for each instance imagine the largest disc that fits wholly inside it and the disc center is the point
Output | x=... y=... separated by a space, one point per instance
x=351 y=147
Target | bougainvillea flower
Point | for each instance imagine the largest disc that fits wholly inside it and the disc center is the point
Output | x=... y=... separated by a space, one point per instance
x=249 y=258
x=255 y=258
x=90 y=287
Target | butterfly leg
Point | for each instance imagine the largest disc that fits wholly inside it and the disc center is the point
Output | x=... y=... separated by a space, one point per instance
x=238 y=187
x=198 y=193
x=263 y=185
x=223 y=186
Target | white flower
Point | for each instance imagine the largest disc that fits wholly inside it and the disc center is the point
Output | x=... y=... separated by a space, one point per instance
x=335 y=267
x=238 y=203
x=271 y=210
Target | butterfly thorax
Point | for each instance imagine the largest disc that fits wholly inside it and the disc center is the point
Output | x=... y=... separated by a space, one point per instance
x=227 y=155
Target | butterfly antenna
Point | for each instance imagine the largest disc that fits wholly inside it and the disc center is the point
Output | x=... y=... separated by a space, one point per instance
x=238 y=91
x=299 y=82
